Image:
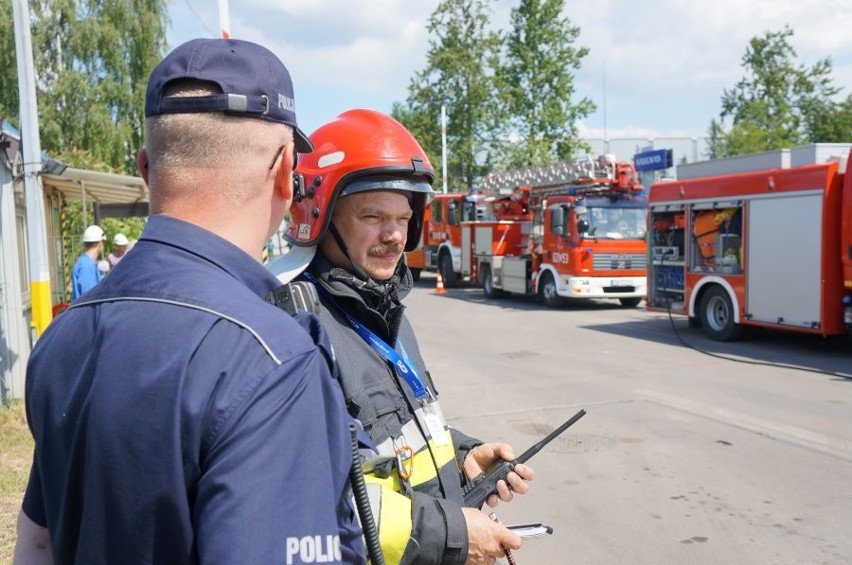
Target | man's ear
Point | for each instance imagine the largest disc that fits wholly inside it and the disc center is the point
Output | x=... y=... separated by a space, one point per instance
x=142 y=164
x=284 y=173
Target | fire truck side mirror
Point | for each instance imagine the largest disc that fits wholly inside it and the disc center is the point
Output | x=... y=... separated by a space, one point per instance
x=557 y=220
x=452 y=213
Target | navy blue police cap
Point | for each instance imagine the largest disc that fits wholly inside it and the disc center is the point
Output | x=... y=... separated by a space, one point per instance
x=254 y=83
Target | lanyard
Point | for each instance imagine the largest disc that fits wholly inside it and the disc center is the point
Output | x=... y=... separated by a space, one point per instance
x=401 y=361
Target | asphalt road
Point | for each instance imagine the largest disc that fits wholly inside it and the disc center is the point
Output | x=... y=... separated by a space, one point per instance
x=683 y=457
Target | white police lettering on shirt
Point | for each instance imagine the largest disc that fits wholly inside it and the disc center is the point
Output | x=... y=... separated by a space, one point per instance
x=313 y=549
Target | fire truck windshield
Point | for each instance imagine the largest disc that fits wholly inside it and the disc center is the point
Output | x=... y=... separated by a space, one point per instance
x=613 y=222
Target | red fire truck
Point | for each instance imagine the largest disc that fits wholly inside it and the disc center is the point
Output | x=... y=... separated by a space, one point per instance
x=566 y=231
x=563 y=231
x=441 y=243
x=746 y=244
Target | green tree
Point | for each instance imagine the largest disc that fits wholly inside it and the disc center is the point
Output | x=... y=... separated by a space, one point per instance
x=827 y=121
x=536 y=85
x=8 y=67
x=92 y=59
x=780 y=103
x=715 y=150
x=426 y=128
x=462 y=52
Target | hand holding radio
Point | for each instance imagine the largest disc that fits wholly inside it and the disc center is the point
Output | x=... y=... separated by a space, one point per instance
x=488 y=481
x=488 y=455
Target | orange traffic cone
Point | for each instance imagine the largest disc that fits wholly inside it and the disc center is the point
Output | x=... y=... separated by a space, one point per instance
x=439 y=286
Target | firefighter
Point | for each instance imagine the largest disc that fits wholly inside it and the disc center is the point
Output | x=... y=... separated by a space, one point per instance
x=358 y=207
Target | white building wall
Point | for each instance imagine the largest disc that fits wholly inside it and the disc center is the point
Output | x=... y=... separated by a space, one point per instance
x=14 y=326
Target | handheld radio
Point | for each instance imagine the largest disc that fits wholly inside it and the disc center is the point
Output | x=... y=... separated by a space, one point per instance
x=481 y=487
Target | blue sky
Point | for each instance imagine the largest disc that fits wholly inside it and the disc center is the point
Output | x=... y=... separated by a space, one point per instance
x=656 y=68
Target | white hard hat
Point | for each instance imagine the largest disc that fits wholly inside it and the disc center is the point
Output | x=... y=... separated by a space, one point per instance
x=93 y=234
x=120 y=239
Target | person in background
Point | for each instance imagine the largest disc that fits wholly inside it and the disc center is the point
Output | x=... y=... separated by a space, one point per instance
x=178 y=416
x=86 y=274
x=120 y=243
x=368 y=184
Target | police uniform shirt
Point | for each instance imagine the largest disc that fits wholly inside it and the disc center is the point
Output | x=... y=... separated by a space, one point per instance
x=179 y=418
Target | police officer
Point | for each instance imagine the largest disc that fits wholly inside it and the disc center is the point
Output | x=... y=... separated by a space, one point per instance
x=365 y=190
x=178 y=417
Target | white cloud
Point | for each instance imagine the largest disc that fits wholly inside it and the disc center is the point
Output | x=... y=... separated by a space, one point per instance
x=666 y=62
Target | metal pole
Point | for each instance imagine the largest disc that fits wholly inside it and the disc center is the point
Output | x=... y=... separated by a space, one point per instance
x=31 y=144
x=224 y=19
x=444 y=147
x=604 y=106
x=83 y=201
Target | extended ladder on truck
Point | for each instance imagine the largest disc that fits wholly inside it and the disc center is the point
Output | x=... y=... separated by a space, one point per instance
x=604 y=173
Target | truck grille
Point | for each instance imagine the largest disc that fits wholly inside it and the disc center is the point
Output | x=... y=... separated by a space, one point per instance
x=618 y=261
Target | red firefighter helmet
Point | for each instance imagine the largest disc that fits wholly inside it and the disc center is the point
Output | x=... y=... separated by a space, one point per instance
x=360 y=150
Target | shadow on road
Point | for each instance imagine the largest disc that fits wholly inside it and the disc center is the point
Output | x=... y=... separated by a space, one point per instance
x=831 y=356
x=825 y=355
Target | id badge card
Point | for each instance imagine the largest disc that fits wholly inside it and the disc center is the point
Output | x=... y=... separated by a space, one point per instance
x=435 y=423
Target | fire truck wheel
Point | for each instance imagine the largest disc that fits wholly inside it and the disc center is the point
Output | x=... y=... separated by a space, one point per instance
x=630 y=302
x=415 y=274
x=717 y=316
x=547 y=292
x=445 y=266
x=488 y=284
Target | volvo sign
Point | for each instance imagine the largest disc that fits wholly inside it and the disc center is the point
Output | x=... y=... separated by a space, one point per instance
x=653 y=160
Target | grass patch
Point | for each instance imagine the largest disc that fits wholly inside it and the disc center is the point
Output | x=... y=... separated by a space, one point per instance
x=16 y=456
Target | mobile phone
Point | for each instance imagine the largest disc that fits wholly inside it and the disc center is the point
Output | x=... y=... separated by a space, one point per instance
x=531 y=530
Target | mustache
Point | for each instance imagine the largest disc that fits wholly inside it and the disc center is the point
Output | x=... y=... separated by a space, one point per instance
x=386 y=249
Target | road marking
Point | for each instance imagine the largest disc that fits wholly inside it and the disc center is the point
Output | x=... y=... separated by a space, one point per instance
x=834 y=446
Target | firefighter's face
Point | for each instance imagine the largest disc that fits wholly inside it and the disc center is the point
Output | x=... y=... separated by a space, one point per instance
x=374 y=227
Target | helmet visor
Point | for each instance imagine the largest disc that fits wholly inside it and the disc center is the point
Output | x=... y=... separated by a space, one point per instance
x=408 y=186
